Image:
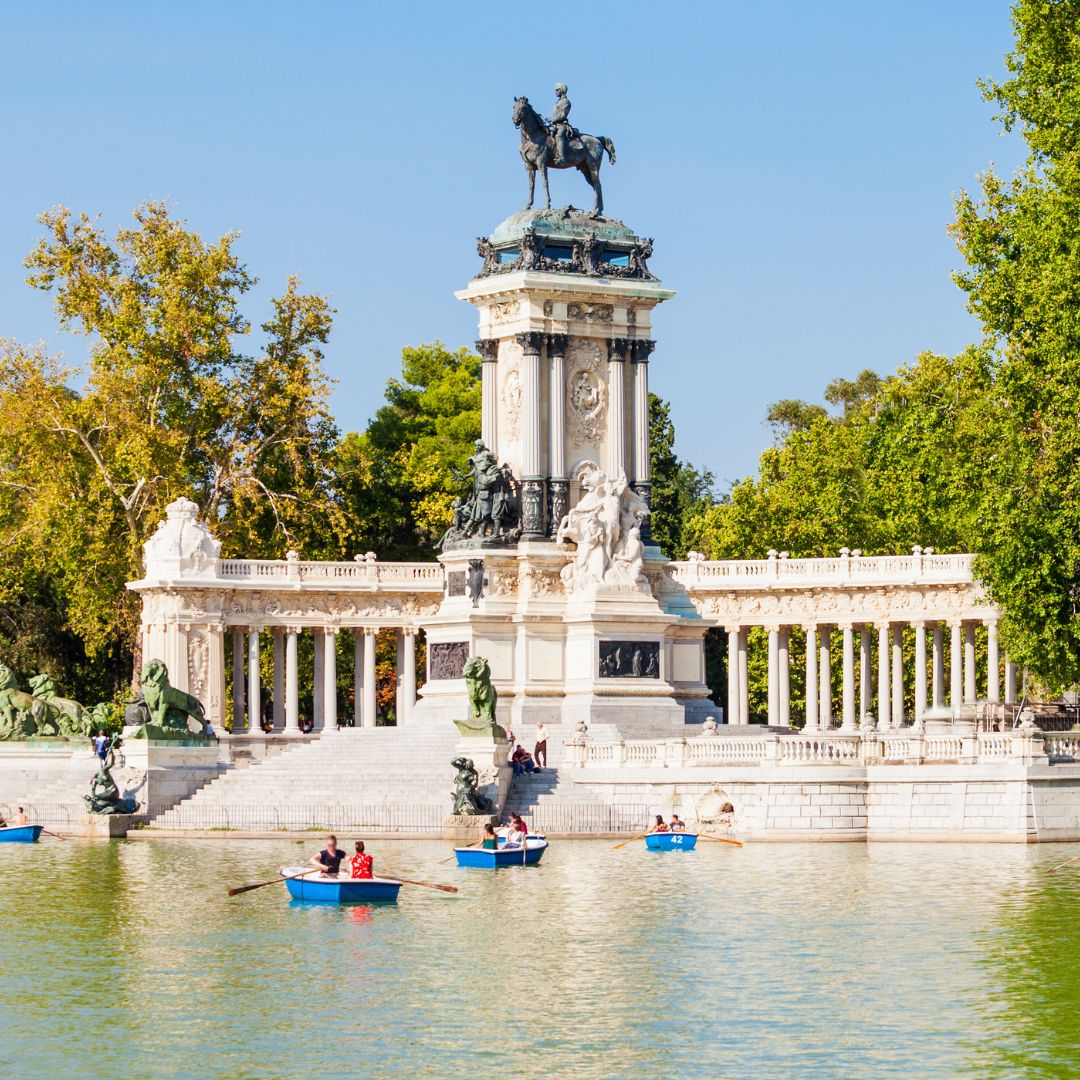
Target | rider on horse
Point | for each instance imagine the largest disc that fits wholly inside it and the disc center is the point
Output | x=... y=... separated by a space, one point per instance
x=560 y=127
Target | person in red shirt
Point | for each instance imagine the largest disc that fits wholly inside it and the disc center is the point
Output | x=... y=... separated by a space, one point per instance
x=362 y=865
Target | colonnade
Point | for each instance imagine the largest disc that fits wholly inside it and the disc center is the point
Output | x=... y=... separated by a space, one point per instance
x=886 y=639
x=247 y=697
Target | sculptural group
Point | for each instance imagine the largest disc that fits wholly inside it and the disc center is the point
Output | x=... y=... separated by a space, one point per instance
x=492 y=509
x=605 y=526
x=161 y=705
x=468 y=800
x=104 y=797
x=41 y=711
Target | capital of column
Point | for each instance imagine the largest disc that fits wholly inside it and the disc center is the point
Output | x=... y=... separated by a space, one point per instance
x=641 y=350
x=732 y=629
x=558 y=344
x=331 y=631
x=531 y=341
x=618 y=348
x=370 y=631
x=488 y=349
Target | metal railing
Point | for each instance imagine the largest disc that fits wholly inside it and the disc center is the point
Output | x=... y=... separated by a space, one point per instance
x=584 y=818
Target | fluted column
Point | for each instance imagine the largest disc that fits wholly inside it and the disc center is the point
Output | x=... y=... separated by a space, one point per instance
x=239 y=707
x=865 y=690
x=408 y=673
x=558 y=482
x=254 y=701
x=744 y=681
x=1010 y=680
x=774 y=676
x=489 y=355
x=847 y=721
x=370 y=704
x=993 y=662
x=732 y=674
x=279 y=678
x=330 y=687
x=897 y=676
x=811 y=680
x=956 y=683
x=920 y=674
x=825 y=678
x=938 y=667
x=883 y=677
x=616 y=433
x=318 y=684
x=532 y=466
x=970 y=691
x=639 y=456
x=292 y=683
x=784 y=686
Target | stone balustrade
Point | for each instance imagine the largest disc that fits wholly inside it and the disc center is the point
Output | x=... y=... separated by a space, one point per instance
x=362 y=573
x=822 y=748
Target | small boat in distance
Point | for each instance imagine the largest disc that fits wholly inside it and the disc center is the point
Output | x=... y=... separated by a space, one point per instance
x=19 y=834
x=492 y=859
x=671 y=841
x=330 y=889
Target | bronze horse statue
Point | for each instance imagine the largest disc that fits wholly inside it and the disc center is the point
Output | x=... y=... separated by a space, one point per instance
x=584 y=153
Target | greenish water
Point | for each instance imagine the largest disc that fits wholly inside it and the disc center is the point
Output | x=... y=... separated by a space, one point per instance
x=127 y=959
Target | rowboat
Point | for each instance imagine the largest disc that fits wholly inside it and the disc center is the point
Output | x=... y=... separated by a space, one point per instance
x=671 y=841
x=19 y=834
x=492 y=859
x=328 y=889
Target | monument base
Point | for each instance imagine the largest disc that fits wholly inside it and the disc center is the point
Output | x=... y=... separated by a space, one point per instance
x=467 y=828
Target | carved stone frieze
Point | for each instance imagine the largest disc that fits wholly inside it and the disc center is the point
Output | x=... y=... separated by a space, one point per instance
x=504 y=311
x=595 y=313
x=511 y=396
x=586 y=393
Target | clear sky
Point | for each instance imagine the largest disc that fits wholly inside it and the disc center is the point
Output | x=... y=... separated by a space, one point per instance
x=794 y=162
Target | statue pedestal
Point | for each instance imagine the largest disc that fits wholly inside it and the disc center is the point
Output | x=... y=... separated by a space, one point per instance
x=466 y=829
x=105 y=826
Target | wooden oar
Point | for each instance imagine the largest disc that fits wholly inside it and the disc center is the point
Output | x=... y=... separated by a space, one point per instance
x=720 y=839
x=56 y=834
x=425 y=884
x=1055 y=869
x=640 y=836
x=275 y=881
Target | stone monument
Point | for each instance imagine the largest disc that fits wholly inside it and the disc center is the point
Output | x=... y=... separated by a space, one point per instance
x=572 y=608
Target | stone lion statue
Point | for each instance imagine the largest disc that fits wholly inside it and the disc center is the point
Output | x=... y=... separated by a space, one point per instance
x=467 y=799
x=482 y=695
x=160 y=704
x=57 y=715
x=16 y=706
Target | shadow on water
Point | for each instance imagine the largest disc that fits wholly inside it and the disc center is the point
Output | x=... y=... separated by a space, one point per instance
x=771 y=960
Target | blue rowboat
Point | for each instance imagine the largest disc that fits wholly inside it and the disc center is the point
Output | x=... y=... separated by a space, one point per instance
x=19 y=834
x=490 y=859
x=327 y=889
x=671 y=841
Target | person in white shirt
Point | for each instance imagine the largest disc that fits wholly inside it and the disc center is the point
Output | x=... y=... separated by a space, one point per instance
x=540 y=750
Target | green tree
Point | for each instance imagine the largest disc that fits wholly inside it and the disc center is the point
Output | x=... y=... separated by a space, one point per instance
x=168 y=405
x=1021 y=241
x=678 y=489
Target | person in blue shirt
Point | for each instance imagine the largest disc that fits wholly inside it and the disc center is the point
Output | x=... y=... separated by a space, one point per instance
x=101 y=744
x=330 y=857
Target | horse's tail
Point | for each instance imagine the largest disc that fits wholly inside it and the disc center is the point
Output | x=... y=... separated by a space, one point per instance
x=609 y=146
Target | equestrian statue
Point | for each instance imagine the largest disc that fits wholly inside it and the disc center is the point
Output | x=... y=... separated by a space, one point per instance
x=555 y=144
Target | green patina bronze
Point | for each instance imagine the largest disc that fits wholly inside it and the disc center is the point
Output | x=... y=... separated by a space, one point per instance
x=161 y=711
x=482 y=699
x=42 y=712
x=468 y=801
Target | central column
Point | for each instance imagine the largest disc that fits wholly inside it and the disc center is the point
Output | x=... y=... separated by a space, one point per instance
x=408 y=672
x=883 y=677
x=732 y=674
x=811 y=680
x=489 y=356
x=317 y=680
x=238 y=706
x=369 y=677
x=292 y=686
x=616 y=432
x=785 y=678
x=744 y=679
x=848 y=714
x=865 y=693
x=774 y=676
x=825 y=679
x=254 y=688
x=639 y=457
x=955 y=670
x=993 y=672
x=920 y=673
x=330 y=678
x=558 y=482
x=939 y=667
x=279 y=678
x=970 y=692
x=532 y=468
x=358 y=677
x=897 y=676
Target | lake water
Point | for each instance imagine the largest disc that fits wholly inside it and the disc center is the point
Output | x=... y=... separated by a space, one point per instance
x=126 y=959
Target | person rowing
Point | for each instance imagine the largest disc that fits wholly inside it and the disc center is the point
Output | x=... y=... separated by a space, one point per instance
x=661 y=825
x=330 y=858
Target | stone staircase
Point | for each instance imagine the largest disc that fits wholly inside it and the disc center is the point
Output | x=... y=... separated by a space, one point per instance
x=364 y=777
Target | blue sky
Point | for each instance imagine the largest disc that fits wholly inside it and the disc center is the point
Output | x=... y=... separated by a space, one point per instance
x=794 y=162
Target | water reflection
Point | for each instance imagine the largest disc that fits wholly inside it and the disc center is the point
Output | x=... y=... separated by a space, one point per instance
x=771 y=960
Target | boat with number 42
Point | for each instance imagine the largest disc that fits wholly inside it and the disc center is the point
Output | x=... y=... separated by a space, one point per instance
x=330 y=889
x=19 y=834
x=492 y=859
x=671 y=841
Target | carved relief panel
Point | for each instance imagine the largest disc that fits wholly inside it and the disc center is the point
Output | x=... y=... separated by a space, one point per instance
x=586 y=392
